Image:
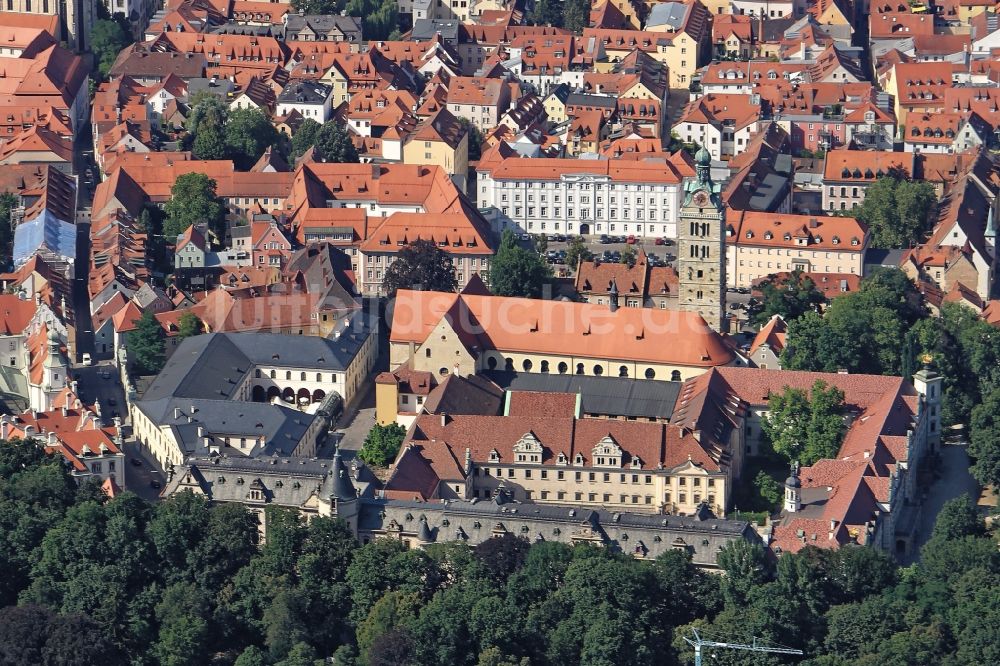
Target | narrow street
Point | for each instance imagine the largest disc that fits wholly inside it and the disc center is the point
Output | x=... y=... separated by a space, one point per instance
x=83 y=164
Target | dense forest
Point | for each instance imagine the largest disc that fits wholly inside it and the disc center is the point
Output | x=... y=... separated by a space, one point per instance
x=95 y=581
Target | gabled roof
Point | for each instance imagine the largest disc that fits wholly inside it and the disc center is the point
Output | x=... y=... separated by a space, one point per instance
x=559 y=327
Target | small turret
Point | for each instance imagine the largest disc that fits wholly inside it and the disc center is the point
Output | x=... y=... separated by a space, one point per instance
x=613 y=296
x=342 y=488
x=793 y=490
x=424 y=534
x=703 y=165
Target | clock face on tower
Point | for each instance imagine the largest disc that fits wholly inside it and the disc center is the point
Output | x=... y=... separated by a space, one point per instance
x=700 y=198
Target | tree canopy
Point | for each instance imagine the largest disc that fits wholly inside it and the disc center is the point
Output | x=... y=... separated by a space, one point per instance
x=421 y=265
x=333 y=144
x=92 y=580
x=790 y=297
x=516 y=271
x=304 y=138
x=248 y=134
x=577 y=251
x=107 y=40
x=898 y=212
x=193 y=201
x=145 y=345
x=318 y=7
x=382 y=444
x=573 y=15
x=806 y=427
x=188 y=325
x=859 y=332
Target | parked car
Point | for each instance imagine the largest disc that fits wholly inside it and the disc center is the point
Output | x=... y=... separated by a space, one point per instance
x=630 y=240
x=605 y=239
x=668 y=241
x=560 y=238
x=135 y=462
x=659 y=241
x=735 y=306
x=526 y=237
x=87 y=359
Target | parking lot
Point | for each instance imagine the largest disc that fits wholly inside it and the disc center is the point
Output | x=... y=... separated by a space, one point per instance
x=659 y=252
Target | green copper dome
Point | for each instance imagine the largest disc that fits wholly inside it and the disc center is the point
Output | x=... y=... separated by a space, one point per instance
x=703 y=157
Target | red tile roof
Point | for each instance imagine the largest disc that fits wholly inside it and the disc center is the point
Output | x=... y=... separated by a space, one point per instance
x=561 y=328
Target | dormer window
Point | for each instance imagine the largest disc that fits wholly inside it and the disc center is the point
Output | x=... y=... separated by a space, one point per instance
x=578 y=459
x=607 y=453
x=494 y=456
x=561 y=459
x=836 y=240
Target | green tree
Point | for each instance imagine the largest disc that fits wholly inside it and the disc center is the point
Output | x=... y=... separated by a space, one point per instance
x=860 y=332
x=958 y=518
x=333 y=144
x=206 y=125
x=790 y=297
x=189 y=325
x=248 y=134
x=318 y=7
x=8 y=202
x=746 y=567
x=379 y=18
x=382 y=444
x=193 y=201
x=184 y=630
x=475 y=138
x=898 y=212
x=252 y=656
x=421 y=265
x=575 y=15
x=576 y=252
x=769 y=490
x=547 y=12
x=805 y=427
x=392 y=610
x=304 y=138
x=146 y=345
x=629 y=256
x=516 y=271
x=984 y=442
x=107 y=40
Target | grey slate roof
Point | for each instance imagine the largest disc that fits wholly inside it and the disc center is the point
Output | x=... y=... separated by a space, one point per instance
x=476 y=521
x=424 y=30
x=667 y=13
x=282 y=480
x=304 y=92
x=325 y=24
x=600 y=395
x=211 y=366
x=585 y=99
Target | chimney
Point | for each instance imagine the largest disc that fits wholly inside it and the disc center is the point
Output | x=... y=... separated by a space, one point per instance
x=444 y=418
x=177 y=412
x=51 y=439
x=64 y=410
x=201 y=431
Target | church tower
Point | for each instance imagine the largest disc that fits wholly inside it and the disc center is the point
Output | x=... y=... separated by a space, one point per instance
x=793 y=490
x=701 y=247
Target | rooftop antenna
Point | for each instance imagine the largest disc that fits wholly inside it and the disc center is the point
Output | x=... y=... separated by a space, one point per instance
x=698 y=643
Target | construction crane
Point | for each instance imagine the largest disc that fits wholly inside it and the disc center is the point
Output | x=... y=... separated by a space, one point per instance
x=698 y=643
